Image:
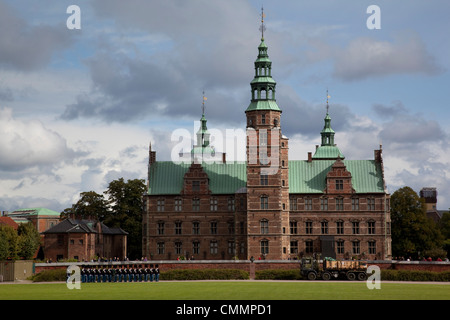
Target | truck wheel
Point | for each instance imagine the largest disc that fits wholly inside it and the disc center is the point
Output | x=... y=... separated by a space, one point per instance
x=362 y=276
x=326 y=276
x=312 y=275
x=351 y=276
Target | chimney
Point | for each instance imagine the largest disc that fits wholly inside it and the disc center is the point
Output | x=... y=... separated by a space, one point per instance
x=378 y=155
x=151 y=156
x=309 y=156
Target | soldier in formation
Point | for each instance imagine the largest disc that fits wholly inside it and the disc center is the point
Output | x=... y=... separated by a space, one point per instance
x=119 y=273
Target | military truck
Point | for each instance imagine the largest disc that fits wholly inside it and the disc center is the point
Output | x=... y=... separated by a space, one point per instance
x=327 y=269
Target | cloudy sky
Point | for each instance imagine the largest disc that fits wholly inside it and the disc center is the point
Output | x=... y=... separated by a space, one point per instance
x=78 y=108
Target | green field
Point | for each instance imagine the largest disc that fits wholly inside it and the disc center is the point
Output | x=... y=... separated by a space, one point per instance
x=226 y=290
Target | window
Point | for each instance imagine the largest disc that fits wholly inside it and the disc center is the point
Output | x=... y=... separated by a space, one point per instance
x=264 y=202
x=340 y=227
x=309 y=246
x=355 y=247
x=231 y=247
x=263 y=119
x=231 y=204
x=339 y=204
x=72 y=241
x=370 y=204
x=371 y=227
x=160 y=248
x=264 y=179
x=195 y=204
x=372 y=247
x=309 y=228
x=195 y=227
x=293 y=227
x=213 y=227
x=195 y=247
x=355 y=227
x=160 y=227
x=213 y=204
x=324 y=227
x=339 y=184
x=231 y=227
x=160 y=205
x=178 y=227
x=324 y=204
x=264 y=225
x=178 y=205
x=292 y=203
x=263 y=138
x=195 y=186
x=213 y=247
x=264 y=247
x=178 y=247
x=340 y=246
x=294 y=246
x=308 y=204
x=355 y=204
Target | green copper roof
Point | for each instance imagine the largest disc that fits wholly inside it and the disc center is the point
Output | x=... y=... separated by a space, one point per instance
x=263 y=105
x=36 y=212
x=309 y=177
x=328 y=152
x=166 y=177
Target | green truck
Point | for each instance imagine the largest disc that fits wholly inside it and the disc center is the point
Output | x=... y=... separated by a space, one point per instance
x=327 y=269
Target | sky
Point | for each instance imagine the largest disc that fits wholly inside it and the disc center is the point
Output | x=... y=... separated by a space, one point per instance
x=79 y=107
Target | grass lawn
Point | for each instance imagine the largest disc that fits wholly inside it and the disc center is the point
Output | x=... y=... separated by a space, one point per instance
x=225 y=290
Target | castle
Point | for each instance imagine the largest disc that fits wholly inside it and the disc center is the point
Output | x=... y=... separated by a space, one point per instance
x=267 y=207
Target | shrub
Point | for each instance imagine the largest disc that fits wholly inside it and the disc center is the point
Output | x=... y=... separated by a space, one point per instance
x=50 y=275
x=204 y=274
x=274 y=274
x=412 y=275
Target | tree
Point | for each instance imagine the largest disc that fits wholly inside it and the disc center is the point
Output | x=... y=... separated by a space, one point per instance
x=90 y=206
x=412 y=231
x=8 y=242
x=29 y=240
x=444 y=226
x=125 y=203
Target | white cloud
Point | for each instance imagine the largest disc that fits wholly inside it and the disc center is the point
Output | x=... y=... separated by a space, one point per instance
x=28 y=144
x=366 y=57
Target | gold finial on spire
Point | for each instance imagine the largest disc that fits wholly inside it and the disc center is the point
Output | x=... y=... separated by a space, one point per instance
x=203 y=103
x=328 y=97
x=263 y=27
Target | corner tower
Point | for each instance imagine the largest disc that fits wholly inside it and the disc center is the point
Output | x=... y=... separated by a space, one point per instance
x=327 y=149
x=267 y=165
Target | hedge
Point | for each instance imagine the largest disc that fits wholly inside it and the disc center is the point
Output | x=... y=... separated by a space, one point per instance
x=204 y=274
x=274 y=274
x=50 y=275
x=235 y=274
x=411 y=275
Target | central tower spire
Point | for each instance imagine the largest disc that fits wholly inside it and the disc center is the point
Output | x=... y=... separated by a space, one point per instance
x=263 y=85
